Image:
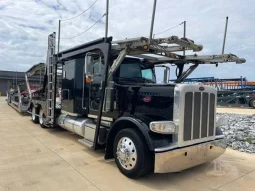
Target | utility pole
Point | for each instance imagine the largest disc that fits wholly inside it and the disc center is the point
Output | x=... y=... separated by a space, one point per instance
x=184 y=34
x=59 y=24
x=106 y=18
x=225 y=34
x=152 y=20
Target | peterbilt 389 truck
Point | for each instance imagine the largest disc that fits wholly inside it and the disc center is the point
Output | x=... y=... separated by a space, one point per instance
x=111 y=98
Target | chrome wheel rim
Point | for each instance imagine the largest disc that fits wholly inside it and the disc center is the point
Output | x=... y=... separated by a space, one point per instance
x=126 y=153
x=41 y=117
x=33 y=113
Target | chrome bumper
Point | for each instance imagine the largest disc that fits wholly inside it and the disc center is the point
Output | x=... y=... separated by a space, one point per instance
x=183 y=158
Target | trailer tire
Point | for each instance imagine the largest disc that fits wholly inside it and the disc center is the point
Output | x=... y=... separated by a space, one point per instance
x=8 y=98
x=252 y=103
x=132 y=154
x=41 y=118
x=35 y=118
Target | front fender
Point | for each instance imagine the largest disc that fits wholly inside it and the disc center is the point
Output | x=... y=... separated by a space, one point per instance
x=153 y=140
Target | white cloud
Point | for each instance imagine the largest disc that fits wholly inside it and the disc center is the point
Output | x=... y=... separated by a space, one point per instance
x=25 y=25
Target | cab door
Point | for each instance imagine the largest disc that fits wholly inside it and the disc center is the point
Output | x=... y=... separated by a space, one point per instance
x=95 y=76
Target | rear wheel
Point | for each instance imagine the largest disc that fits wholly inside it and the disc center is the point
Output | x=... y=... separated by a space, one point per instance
x=41 y=118
x=131 y=154
x=8 y=98
x=252 y=103
x=34 y=116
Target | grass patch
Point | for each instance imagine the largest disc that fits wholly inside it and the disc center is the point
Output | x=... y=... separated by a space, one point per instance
x=249 y=139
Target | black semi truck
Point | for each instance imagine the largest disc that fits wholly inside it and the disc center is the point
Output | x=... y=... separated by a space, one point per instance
x=111 y=98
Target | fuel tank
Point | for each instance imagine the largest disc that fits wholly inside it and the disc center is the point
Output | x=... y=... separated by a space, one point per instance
x=76 y=125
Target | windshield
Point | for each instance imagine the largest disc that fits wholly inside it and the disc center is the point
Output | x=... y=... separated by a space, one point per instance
x=136 y=71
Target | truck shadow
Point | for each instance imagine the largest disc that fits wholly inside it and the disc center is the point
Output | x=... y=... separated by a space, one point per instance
x=173 y=180
x=154 y=181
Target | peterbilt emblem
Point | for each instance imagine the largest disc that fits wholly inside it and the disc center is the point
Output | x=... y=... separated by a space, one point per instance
x=201 y=88
x=147 y=99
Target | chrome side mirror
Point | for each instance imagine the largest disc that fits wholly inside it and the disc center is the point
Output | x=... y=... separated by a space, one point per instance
x=166 y=74
x=88 y=69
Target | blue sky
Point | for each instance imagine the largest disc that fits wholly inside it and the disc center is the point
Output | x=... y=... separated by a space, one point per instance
x=25 y=25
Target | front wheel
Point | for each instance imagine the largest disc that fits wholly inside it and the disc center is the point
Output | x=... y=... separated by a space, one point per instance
x=34 y=115
x=252 y=103
x=132 y=154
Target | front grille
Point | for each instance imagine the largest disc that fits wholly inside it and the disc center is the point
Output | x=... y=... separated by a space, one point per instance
x=199 y=115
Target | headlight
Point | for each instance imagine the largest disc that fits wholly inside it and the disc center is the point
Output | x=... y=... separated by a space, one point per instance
x=164 y=127
x=221 y=121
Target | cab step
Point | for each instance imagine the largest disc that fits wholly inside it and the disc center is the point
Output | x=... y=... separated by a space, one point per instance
x=86 y=142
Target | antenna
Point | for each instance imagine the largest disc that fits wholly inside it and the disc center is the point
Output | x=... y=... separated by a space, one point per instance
x=106 y=18
x=59 y=24
x=225 y=34
x=184 y=34
x=152 y=20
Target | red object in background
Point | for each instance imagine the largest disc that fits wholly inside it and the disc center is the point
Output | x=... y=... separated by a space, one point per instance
x=31 y=88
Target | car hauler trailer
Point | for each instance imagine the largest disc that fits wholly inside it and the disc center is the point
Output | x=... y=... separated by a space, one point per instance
x=19 y=97
x=231 y=92
x=111 y=99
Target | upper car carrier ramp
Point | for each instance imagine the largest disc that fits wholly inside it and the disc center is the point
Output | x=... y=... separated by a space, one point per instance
x=156 y=44
x=158 y=51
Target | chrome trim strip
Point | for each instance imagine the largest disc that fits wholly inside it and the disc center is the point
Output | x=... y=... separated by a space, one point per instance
x=69 y=113
x=103 y=118
x=167 y=148
x=208 y=113
x=216 y=98
x=192 y=121
x=201 y=107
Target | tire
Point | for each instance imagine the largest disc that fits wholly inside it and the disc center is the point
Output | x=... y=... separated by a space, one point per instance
x=35 y=118
x=41 y=118
x=8 y=98
x=218 y=131
x=252 y=103
x=139 y=160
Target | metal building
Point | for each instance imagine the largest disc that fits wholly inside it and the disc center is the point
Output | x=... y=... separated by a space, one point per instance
x=9 y=79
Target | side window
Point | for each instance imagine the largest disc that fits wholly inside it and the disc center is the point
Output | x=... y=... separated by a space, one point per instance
x=147 y=74
x=98 y=66
x=130 y=71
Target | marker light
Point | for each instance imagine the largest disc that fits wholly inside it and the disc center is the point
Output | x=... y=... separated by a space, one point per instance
x=163 y=127
x=145 y=47
x=88 y=79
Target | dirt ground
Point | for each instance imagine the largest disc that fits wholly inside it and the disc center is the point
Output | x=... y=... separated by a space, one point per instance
x=247 y=111
x=33 y=158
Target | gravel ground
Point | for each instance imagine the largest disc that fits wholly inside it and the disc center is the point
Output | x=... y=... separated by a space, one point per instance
x=239 y=131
